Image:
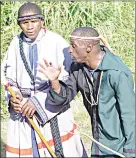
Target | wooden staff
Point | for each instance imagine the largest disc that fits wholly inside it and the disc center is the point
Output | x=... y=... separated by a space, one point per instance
x=7 y=86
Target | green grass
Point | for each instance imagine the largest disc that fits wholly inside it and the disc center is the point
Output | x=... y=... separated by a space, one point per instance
x=114 y=20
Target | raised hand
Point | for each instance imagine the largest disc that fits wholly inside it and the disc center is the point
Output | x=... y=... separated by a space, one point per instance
x=49 y=70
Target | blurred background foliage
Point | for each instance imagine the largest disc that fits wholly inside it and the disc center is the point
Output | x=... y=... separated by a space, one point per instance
x=114 y=20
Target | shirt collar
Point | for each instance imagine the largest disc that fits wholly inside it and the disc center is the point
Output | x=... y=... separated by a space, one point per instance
x=109 y=61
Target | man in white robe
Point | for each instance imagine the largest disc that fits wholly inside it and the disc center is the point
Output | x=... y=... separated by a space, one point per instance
x=20 y=66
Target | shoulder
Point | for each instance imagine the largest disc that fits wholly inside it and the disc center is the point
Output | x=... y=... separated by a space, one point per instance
x=117 y=73
x=115 y=77
x=15 y=38
x=56 y=39
x=14 y=42
x=54 y=35
x=115 y=66
x=112 y=62
x=121 y=65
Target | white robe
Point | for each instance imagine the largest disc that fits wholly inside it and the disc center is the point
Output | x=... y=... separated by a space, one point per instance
x=50 y=46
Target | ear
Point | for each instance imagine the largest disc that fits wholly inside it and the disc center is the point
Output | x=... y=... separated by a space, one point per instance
x=89 y=48
x=42 y=22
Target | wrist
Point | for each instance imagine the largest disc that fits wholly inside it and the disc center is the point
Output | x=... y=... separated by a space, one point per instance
x=55 y=85
x=57 y=90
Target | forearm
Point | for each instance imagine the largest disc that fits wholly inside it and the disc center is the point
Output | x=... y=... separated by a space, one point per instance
x=64 y=96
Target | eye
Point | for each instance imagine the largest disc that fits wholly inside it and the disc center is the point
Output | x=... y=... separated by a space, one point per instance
x=73 y=45
x=24 y=22
x=33 y=21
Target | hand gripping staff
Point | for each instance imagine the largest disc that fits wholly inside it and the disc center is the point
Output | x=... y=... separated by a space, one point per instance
x=7 y=86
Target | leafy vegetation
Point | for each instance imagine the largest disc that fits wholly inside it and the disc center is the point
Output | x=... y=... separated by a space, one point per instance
x=113 y=19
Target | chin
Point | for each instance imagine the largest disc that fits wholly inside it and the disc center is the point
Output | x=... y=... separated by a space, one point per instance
x=79 y=60
x=32 y=38
x=76 y=60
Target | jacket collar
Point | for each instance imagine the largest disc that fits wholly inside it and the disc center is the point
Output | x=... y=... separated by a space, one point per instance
x=110 y=61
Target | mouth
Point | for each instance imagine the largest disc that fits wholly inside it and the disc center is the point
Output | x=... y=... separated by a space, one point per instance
x=30 y=33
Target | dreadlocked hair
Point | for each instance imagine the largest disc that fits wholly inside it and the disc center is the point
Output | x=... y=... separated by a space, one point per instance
x=86 y=32
x=29 y=7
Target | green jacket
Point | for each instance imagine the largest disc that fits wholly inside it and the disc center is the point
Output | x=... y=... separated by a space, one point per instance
x=113 y=119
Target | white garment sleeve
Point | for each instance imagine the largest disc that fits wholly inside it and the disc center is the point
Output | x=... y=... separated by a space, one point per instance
x=8 y=69
x=44 y=111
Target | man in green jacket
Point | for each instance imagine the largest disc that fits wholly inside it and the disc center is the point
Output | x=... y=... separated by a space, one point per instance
x=106 y=85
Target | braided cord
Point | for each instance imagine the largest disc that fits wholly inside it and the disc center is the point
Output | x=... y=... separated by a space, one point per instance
x=56 y=137
x=53 y=121
x=25 y=61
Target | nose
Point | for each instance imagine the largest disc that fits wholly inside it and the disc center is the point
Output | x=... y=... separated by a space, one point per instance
x=29 y=25
x=70 y=49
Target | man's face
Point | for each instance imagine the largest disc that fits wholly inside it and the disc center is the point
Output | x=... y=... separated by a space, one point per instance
x=77 y=50
x=31 y=27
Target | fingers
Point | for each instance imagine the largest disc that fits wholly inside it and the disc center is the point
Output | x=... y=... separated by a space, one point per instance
x=16 y=104
x=24 y=110
x=19 y=97
x=14 y=100
x=41 y=70
x=24 y=101
x=17 y=110
x=42 y=65
x=45 y=62
x=28 y=110
x=50 y=64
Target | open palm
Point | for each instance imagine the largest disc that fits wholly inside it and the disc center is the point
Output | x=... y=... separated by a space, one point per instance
x=49 y=70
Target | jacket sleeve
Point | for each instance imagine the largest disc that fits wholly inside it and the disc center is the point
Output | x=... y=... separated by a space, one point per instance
x=126 y=99
x=69 y=90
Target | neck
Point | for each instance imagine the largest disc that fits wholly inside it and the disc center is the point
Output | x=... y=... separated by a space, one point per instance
x=95 y=58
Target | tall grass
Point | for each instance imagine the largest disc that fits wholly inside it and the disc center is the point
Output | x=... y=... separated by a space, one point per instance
x=114 y=20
